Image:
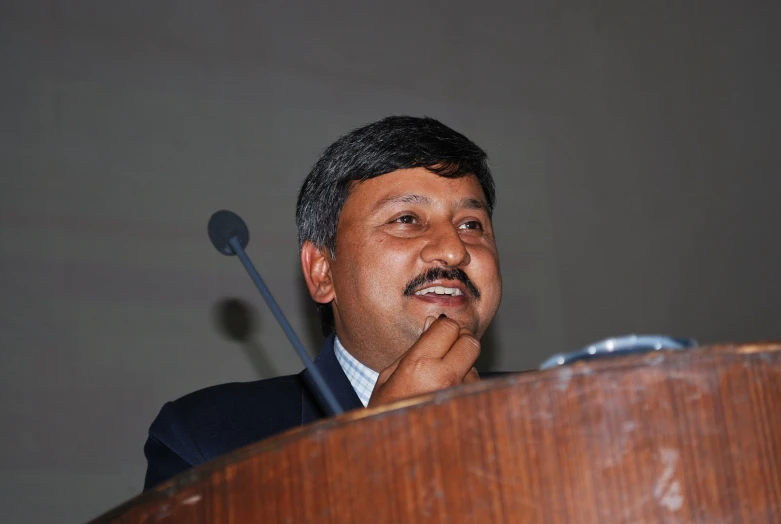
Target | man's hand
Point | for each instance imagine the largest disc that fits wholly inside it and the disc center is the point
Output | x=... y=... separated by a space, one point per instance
x=443 y=356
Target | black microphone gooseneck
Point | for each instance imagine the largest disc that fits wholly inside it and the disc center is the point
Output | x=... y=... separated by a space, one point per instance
x=230 y=235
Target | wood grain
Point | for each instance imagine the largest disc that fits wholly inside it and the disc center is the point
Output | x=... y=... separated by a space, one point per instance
x=688 y=436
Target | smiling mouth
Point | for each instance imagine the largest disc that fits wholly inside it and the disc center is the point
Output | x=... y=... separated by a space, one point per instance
x=443 y=294
x=442 y=284
x=440 y=290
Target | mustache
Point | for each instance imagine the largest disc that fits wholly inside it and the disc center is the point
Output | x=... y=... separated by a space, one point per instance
x=438 y=273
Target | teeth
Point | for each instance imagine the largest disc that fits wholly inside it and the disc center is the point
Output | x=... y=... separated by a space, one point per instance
x=439 y=290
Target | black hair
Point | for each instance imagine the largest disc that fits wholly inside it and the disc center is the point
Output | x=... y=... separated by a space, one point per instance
x=390 y=144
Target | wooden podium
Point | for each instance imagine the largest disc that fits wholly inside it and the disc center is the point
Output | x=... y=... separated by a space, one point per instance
x=668 y=436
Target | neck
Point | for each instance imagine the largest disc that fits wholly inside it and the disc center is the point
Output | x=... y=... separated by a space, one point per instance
x=371 y=350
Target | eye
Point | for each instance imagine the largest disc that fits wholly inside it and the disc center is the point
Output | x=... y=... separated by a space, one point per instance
x=472 y=224
x=406 y=219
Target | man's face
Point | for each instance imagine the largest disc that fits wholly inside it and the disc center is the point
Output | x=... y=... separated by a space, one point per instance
x=411 y=244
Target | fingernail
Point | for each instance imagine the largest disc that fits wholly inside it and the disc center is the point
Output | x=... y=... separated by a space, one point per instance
x=442 y=316
x=429 y=320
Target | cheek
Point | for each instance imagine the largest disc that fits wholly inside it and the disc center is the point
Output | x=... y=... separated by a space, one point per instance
x=372 y=272
x=391 y=266
x=485 y=267
x=488 y=278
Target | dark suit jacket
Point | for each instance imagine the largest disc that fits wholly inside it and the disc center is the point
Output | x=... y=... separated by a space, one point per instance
x=217 y=420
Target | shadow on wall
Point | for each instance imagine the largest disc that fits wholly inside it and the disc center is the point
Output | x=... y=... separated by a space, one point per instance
x=237 y=320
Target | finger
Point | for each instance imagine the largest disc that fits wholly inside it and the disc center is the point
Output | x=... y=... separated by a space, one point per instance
x=463 y=354
x=472 y=376
x=386 y=373
x=436 y=341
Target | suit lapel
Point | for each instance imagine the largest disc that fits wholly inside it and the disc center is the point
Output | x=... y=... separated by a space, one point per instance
x=312 y=407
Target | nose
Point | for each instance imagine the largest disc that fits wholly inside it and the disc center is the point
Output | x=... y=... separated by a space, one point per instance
x=445 y=247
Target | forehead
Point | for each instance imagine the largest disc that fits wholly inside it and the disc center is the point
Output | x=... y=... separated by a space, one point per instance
x=417 y=185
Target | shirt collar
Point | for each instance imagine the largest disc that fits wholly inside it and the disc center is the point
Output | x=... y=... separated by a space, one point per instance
x=360 y=376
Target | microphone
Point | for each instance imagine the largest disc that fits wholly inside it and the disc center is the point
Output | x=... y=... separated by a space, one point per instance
x=229 y=235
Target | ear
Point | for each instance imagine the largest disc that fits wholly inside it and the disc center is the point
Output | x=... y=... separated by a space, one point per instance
x=316 y=265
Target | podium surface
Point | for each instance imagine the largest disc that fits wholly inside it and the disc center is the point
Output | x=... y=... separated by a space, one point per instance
x=667 y=436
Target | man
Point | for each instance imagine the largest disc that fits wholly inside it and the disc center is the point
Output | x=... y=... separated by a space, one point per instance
x=397 y=249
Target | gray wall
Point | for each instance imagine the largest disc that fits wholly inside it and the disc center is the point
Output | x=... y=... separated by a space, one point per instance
x=635 y=146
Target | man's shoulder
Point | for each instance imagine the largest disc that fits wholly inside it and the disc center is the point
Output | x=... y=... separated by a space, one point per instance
x=219 y=418
x=253 y=393
x=235 y=402
x=216 y=420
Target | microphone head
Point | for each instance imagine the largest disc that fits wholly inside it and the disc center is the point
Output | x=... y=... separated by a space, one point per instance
x=224 y=225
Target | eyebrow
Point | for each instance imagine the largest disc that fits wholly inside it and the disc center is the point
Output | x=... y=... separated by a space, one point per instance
x=464 y=203
x=472 y=203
